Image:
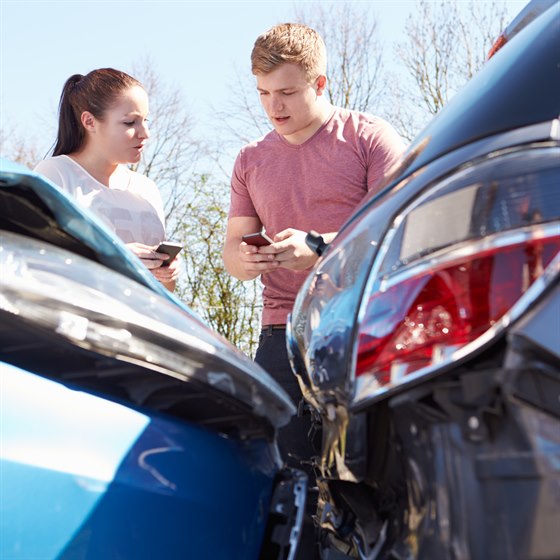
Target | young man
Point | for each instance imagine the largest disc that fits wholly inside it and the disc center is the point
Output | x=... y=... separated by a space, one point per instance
x=309 y=173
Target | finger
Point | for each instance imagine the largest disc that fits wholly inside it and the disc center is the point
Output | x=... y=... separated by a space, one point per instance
x=284 y=234
x=162 y=273
x=262 y=267
x=152 y=263
x=259 y=257
x=268 y=250
x=247 y=249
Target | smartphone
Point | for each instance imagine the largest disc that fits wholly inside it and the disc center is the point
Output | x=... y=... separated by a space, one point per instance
x=259 y=239
x=170 y=248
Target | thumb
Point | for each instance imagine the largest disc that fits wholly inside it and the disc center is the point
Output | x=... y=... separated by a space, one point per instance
x=284 y=234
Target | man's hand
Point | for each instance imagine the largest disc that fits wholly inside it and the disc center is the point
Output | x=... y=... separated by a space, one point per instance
x=244 y=261
x=290 y=250
x=254 y=261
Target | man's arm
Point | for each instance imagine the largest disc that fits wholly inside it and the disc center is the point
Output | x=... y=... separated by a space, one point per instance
x=243 y=261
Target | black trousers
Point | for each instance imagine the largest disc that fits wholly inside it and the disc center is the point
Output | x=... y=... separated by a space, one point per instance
x=293 y=440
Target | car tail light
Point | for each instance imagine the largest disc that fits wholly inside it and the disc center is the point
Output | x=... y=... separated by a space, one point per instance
x=465 y=259
x=414 y=322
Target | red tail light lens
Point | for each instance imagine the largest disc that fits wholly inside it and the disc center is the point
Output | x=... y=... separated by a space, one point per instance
x=417 y=321
x=454 y=266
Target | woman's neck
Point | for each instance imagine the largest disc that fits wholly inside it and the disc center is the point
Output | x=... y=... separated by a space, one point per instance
x=99 y=168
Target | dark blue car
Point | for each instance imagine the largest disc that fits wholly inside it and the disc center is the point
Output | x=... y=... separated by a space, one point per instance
x=427 y=336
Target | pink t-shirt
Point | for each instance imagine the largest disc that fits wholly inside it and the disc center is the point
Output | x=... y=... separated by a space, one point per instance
x=315 y=185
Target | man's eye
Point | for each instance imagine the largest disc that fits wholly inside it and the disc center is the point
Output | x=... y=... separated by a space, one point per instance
x=128 y=123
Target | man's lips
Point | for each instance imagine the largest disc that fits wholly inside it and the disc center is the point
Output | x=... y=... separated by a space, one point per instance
x=280 y=120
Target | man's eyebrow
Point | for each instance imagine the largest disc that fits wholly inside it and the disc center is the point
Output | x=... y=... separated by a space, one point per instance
x=278 y=89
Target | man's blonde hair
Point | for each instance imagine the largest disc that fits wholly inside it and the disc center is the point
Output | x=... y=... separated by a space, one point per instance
x=294 y=43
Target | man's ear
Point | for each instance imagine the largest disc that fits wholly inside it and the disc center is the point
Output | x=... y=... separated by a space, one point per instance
x=321 y=83
x=88 y=121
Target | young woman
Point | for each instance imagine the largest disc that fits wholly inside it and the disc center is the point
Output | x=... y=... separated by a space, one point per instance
x=103 y=127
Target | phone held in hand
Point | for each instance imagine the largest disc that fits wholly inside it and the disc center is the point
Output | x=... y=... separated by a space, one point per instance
x=259 y=238
x=170 y=248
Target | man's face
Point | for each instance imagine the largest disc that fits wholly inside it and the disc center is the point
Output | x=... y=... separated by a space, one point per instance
x=292 y=103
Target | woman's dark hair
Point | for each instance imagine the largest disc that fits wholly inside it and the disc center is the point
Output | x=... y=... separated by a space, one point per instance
x=95 y=92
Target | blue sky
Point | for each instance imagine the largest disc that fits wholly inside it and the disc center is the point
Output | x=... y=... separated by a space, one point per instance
x=195 y=46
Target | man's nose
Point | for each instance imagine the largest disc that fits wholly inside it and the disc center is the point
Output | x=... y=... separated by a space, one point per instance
x=277 y=103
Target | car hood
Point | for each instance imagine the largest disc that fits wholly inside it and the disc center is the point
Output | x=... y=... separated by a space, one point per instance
x=61 y=268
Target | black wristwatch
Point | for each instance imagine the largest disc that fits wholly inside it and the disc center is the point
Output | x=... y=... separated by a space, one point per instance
x=316 y=242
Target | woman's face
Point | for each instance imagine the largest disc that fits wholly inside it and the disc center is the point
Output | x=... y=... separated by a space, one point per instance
x=121 y=134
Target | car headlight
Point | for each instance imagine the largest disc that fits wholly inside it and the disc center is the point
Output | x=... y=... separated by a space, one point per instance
x=97 y=309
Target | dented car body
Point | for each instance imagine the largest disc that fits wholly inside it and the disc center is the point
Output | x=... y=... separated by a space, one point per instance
x=128 y=428
x=427 y=337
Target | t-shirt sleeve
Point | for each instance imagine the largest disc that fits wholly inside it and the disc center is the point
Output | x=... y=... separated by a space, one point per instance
x=241 y=204
x=385 y=149
x=49 y=169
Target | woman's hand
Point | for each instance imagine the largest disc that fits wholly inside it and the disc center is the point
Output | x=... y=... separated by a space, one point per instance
x=153 y=261
x=168 y=275
x=147 y=254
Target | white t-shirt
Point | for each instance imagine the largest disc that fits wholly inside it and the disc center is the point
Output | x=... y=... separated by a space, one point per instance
x=132 y=209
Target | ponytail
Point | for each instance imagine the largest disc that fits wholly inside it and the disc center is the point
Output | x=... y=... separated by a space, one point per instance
x=70 y=130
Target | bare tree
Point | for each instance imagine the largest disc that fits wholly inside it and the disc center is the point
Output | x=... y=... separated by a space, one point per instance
x=229 y=306
x=15 y=148
x=445 y=45
x=243 y=117
x=355 y=56
x=173 y=152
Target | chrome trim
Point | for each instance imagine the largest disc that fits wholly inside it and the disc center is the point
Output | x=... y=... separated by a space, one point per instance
x=468 y=248
x=548 y=130
x=291 y=343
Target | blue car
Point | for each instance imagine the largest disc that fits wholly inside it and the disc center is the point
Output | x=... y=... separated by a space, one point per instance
x=128 y=429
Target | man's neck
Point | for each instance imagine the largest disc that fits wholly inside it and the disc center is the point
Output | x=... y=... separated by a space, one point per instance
x=323 y=114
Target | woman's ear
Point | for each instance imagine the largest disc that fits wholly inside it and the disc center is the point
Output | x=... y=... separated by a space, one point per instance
x=321 y=83
x=88 y=121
